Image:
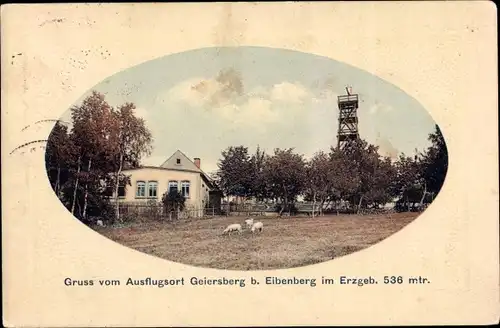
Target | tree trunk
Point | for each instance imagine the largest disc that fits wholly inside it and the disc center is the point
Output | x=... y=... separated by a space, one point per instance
x=79 y=208
x=287 y=204
x=282 y=201
x=58 y=181
x=281 y=210
x=423 y=196
x=86 y=193
x=314 y=204
x=328 y=203
x=321 y=205
x=360 y=201
x=117 y=187
x=76 y=188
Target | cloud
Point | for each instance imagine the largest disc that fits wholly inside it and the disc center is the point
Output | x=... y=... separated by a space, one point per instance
x=254 y=113
x=379 y=108
x=230 y=81
x=283 y=93
x=206 y=92
x=220 y=90
x=257 y=109
x=226 y=111
x=259 y=92
x=289 y=93
x=225 y=96
x=195 y=92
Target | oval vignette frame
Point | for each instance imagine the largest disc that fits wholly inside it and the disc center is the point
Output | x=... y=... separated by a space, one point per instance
x=252 y=90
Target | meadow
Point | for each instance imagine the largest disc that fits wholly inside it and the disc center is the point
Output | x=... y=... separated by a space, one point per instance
x=284 y=243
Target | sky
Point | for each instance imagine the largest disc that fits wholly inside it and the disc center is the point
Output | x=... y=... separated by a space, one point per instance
x=205 y=100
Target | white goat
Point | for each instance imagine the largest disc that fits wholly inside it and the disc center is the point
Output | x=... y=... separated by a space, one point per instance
x=249 y=223
x=257 y=226
x=100 y=223
x=232 y=227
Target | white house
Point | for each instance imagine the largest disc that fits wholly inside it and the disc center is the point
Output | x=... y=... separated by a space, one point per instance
x=178 y=173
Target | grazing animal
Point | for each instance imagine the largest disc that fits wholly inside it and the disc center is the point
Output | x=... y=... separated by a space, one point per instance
x=232 y=227
x=257 y=226
x=249 y=223
x=100 y=223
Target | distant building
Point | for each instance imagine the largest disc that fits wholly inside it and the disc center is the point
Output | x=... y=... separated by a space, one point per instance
x=241 y=200
x=177 y=173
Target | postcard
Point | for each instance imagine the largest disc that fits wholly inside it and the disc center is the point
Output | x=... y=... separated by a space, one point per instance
x=250 y=164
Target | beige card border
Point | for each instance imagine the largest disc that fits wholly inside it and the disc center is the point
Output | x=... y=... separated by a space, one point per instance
x=441 y=53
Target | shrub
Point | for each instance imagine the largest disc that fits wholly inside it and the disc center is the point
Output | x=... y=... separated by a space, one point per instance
x=173 y=201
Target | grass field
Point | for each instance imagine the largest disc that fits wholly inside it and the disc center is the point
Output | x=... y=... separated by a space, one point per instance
x=284 y=243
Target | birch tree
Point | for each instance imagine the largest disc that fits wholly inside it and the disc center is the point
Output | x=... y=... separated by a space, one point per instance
x=130 y=140
x=91 y=130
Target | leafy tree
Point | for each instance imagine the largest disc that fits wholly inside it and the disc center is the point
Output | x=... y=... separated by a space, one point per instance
x=258 y=184
x=234 y=175
x=285 y=173
x=363 y=177
x=408 y=179
x=90 y=134
x=435 y=162
x=360 y=177
x=319 y=173
x=364 y=159
x=56 y=153
x=381 y=191
x=80 y=163
x=345 y=177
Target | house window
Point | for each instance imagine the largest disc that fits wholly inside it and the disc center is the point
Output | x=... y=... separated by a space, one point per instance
x=185 y=189
x=141 y=189
x=173 y=186
x=152 y=189
x=108 y=191
x=178 y=161
x=121 y=191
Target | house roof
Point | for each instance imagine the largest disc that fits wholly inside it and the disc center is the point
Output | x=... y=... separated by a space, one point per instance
x=190 y=167
x=179 y=160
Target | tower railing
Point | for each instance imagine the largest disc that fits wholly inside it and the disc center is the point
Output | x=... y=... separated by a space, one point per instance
x=346 y=98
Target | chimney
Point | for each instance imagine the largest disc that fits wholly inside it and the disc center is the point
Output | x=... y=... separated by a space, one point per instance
x=197 y=162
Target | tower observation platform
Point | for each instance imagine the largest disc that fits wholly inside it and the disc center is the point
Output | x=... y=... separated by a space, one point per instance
x=348 y=133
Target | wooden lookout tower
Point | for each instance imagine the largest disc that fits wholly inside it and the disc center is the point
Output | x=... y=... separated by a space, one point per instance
x=348 y=133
